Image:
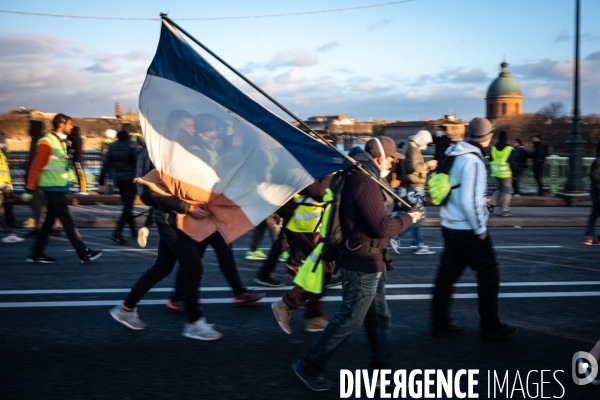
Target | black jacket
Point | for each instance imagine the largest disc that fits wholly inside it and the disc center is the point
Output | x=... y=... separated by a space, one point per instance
x=122 y=157
x=364 y=217
x=519 y=159
x=538 y=154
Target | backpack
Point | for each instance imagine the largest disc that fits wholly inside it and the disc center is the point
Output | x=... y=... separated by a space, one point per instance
x=439 y=183
x=332 y=239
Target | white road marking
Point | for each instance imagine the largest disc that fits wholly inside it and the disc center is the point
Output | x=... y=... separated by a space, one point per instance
x=286 y=288
x=405 y=248
x=38 y=304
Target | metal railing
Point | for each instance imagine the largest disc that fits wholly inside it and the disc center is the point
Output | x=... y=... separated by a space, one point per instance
x=555 y=172
x=92 y=165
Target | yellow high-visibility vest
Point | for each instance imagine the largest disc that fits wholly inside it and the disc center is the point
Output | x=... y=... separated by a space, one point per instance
x=499 y=162
x=55 y=174
x=307 y=215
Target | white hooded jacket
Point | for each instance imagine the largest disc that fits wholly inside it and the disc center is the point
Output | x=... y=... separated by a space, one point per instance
x=465 y=209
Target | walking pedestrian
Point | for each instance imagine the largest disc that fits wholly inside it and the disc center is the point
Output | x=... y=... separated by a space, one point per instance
x=143 y=166
x=413 y=184
x=302 y=232
x=500 y=162
x=273 y=224
x=49 y=171
x=538 y=154
x=241 y=294
x=75 y=150
x=467 y=241
x=174 y=245
x=7 y=215
x=366 y=228
x=519 y=163
x=591 y=239
x=122 y=157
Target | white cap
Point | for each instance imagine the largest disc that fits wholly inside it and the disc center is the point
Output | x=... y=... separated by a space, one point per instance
x=110 y=133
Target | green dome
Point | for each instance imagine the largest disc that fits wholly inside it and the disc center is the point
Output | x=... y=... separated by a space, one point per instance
x=504 y=85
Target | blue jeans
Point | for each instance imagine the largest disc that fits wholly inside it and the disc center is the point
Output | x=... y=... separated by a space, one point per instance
x=416 y=230
x=363 y=300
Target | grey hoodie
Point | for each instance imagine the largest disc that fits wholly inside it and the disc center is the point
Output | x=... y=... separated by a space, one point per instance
x=465 y=209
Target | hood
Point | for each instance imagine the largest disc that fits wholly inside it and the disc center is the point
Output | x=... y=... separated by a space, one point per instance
x=365 y=160
x=422 y=139
x=501 y=145
x=461 y=148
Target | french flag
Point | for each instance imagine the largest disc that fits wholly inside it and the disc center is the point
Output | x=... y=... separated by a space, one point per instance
x=214 y=146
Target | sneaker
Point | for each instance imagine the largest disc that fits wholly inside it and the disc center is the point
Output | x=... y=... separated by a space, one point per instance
x=316 y=383
x=446 y=331
x=175 y=307
x=502 y=332
x=336 y=280
x=423 y=250
x=90 y=255
x=316 y=324
x=268 y=281
x=591 y=242
x=283 y=315
x=284 y=256
x=142 y=236
x=248 y=297
x=117 y=237
x=41 y=259
x=12 y=238
x=255 y=255
x=395 y=244
x=128 y=318
x=516 y=195
x=506 y=214
x=201 y=330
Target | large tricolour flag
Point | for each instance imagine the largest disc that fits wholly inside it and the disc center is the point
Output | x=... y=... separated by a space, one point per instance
x=213 y=145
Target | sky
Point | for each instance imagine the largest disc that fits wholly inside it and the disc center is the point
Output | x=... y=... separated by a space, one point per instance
x=409 y=61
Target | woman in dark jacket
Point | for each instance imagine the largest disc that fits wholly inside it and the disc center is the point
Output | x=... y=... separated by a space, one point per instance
x=591 y=239
x=75 y=149
x=122 y=156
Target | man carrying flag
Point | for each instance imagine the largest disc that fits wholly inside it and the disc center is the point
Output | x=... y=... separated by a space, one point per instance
x=202 y=184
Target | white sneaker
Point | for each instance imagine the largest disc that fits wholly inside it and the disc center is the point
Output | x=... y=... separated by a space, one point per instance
x=395 y=244
x=201 y=330
x=423 y=250
x=128 y=318
x=143 y=236
x=12 y=238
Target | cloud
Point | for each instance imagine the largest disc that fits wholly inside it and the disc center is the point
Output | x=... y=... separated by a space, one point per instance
x=293 y=76
x=595 y=56
x=327 y=47
x=101 y=69
x=292 y=58
x=379 y=24
x=35 y=70
x=563 y=36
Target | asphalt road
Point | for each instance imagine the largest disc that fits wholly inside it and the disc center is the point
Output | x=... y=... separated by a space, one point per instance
x=58 y=341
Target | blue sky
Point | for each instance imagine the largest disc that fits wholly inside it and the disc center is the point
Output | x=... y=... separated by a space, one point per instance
x=420 y=59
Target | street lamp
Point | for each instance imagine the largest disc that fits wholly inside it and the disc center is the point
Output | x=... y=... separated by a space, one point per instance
x=575 y=143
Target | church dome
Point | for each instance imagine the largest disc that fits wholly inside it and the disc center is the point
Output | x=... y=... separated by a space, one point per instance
x=504 y=84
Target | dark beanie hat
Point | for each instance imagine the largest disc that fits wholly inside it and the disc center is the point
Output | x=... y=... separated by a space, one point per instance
x=503 y=136
x=128 y=128
x=479 y=129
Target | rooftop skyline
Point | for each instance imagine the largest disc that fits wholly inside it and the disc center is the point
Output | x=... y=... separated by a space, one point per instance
x=408 y=61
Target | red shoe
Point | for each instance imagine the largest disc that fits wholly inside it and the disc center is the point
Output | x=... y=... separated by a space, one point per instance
x=177 y=307
x=248 y=297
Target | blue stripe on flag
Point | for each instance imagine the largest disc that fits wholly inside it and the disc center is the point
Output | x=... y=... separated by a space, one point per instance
x=177 y=61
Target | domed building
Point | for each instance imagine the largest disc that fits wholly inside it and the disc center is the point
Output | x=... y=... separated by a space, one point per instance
x=504 y=97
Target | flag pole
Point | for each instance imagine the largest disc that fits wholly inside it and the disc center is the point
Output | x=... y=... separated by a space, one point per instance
x=164 y=17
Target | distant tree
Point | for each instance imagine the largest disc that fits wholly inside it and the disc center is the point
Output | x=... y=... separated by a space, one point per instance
x=552 y=111
x=378 y=126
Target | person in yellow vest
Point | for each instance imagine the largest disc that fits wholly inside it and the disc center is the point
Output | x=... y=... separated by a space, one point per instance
x=49 y=171
x=7 y=216
x=109 y=137
x=302 y=232
x=500 y=162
